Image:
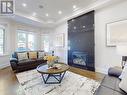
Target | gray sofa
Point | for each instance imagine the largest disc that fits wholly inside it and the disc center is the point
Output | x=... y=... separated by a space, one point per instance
x=110 y=86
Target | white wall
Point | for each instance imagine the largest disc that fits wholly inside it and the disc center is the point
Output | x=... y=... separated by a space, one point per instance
x=60 y=51
x=11 y=36
x=105 y=57
x=4 y=59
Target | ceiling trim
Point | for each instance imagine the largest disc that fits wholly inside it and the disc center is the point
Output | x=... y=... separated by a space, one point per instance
x=97 y=5
x=94 y=6
x=18 y=17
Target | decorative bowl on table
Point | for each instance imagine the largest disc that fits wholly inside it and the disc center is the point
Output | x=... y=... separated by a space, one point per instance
x=56 y=66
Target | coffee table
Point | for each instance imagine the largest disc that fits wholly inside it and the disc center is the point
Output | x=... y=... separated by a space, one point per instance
x=57 y=74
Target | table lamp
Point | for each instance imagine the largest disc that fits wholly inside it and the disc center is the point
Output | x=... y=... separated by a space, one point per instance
x=122 y=50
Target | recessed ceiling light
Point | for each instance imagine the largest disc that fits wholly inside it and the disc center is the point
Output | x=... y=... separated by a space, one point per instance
x=34 y=14
x=84 y=26
x=74 y=6
x=40 y=6
x=60 y=12
x=49 y=21
x=47 y=14
x=24 y=4
x=75 y=27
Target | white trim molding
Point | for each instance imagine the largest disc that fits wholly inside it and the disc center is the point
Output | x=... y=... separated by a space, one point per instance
x=2 y=66
x=101 y=70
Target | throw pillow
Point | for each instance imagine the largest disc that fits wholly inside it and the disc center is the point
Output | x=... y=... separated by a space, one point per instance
x=32 y=55
x=114 y=71
x=123 y=83
x=123 y=72
x=41 y=54
x=22 y=56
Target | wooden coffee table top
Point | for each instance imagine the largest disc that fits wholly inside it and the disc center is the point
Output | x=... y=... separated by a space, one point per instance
x=43 y=69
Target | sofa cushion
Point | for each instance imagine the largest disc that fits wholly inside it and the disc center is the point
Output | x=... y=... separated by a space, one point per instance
x=32 y=55
x=41 y=54
x=123 y=83
x=102 y=90
x=22 y=56
x=40 y=60
x=112 y=83
x=26 y=62
x=123 y=72
x=115 y=71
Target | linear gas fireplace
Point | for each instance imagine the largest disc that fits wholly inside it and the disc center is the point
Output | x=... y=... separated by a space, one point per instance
x=81 y=41
x=80 y=58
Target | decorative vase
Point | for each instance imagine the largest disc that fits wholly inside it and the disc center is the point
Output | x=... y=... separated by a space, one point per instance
x=50 y=63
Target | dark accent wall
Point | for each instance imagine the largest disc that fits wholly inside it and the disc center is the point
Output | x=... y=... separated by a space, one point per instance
x=81 y=40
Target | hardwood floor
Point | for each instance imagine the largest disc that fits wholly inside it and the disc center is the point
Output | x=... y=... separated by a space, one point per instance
x=89 y=74
x=9 y=84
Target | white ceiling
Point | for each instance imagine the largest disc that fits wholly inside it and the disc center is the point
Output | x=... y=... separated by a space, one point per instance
x=52 y=7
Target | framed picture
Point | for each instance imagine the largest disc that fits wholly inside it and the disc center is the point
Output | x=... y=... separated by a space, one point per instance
x=59 y=42
x=116 y=32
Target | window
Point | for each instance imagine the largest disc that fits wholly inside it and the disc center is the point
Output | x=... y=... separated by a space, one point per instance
x=21 y=40
x=2 y=38
x=26 y=41
x=45 y=43
x=31 y=41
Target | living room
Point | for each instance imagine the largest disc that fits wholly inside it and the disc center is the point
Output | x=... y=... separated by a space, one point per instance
x=58 y=30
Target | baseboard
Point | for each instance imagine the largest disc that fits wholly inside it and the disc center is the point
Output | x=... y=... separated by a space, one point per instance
x=4 y=65
x=101 y=70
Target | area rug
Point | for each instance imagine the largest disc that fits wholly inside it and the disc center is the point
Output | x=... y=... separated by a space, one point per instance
x=72 y=84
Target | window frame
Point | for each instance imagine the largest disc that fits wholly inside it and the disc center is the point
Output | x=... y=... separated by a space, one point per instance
x=33 y=40
x=27 y=33
x=42 y=42
x=18 y=39
x=4 y=37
